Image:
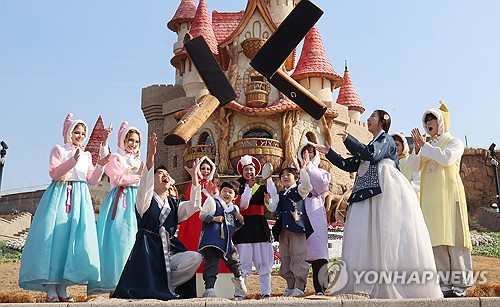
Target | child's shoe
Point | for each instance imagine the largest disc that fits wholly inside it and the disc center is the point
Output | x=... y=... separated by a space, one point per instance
x=210 y=292
x=296 y=292
x=287 y=292
x=240 y=289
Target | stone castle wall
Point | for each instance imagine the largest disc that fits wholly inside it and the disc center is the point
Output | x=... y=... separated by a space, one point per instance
x=478 y=177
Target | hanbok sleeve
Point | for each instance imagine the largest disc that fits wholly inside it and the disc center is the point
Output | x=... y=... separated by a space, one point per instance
x=117 y=175
x=413 y=162
x=145 y=191
x=208 y=209
x=320 y=179
x=58 y=168
x=349 y=165
x=94 y=173
x=189 y=207
x=305 y=186
x=273 y=203
x=447 y=157
x=271 y=187
x=245 y=197
x=103 y=151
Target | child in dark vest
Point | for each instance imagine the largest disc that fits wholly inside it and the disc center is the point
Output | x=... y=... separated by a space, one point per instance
x=220 y=219
x=292 y=227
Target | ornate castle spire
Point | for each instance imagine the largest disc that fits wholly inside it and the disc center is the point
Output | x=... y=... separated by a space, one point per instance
x=348 y=96
x=185 y=13
x=314 y=62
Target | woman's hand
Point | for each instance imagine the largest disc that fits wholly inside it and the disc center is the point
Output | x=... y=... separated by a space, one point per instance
x=77 y=154
x=322 y=148
x=150 y=160
x=104 y=160
x=210 y=187
x=218 y=219
x=239 y=217
x=192 y=171
x=418 y=139
x=267 y=198
x=306 y=161
x=107 y=132
x=343 y=134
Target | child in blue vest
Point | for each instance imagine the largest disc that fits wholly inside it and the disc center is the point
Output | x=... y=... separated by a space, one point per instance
x=220 y=219
x=292 y=227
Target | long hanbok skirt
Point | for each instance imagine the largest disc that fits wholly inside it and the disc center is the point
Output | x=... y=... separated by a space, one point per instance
x=116 y=237
x=61 y=246
x=317 y=243
x=385 y=238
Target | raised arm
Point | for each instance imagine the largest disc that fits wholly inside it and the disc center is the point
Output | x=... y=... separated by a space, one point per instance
x=348 y=165
x=146 y=185
x=208 y=209
x=447 y=157
x=189 y=207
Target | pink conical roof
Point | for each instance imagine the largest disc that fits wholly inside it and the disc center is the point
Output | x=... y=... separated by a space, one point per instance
x=95 y=140
x=203 y=26
x=185 y=13
x=314 y=61
x=348 y=95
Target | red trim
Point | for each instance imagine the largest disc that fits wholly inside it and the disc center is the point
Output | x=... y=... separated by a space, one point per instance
x=118 y=195
x=253 y=210
x=68 y=196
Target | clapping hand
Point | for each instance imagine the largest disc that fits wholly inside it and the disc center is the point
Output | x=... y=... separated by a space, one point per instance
x=104 y=160
x=107 y=132
x=418 y=139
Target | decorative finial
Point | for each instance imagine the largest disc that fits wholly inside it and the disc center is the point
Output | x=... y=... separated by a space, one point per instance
x=346 y=69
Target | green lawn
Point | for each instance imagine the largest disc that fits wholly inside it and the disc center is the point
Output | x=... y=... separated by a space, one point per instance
x=490 y=248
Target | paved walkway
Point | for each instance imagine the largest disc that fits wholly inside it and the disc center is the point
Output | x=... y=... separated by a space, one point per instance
x=284 y=302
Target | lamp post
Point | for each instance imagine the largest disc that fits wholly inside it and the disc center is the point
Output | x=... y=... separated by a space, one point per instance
x=3 y=152
x=494 y=162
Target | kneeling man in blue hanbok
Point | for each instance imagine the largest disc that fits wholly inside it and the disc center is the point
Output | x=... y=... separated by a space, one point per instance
x=159 y=264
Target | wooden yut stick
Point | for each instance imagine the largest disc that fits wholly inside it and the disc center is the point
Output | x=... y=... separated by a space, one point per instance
x=192 y=120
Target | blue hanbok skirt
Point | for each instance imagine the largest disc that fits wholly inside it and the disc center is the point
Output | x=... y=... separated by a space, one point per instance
x=61 y=246
x=116 y=230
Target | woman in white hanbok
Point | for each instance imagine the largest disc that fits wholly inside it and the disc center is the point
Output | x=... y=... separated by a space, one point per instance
x=387 y=251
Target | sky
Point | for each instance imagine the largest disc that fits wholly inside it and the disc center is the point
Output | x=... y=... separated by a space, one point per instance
x=93 y=57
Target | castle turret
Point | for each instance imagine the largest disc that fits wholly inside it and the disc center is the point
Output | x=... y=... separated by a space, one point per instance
x=314 y=70
x=201 y=26
x=279 y=9
x=181 y=24
x=95 y=140
x=348 y=96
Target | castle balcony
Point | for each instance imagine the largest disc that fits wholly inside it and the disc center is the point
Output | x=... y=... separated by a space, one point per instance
x=257 y=94
x=198 y=151
x=264 y=149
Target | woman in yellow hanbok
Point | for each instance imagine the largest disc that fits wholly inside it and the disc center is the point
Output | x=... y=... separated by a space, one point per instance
x=442 y=198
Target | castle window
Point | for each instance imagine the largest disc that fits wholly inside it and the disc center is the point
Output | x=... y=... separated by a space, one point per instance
x=257 y=78
x=174 y=161
x=311 y=137
x=205 y=139
x=257 y=133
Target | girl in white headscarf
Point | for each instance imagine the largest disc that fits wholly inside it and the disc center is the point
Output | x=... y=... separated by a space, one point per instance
x=317 y=243
x=61 y=247
x=117 y=222
x=403 y=153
